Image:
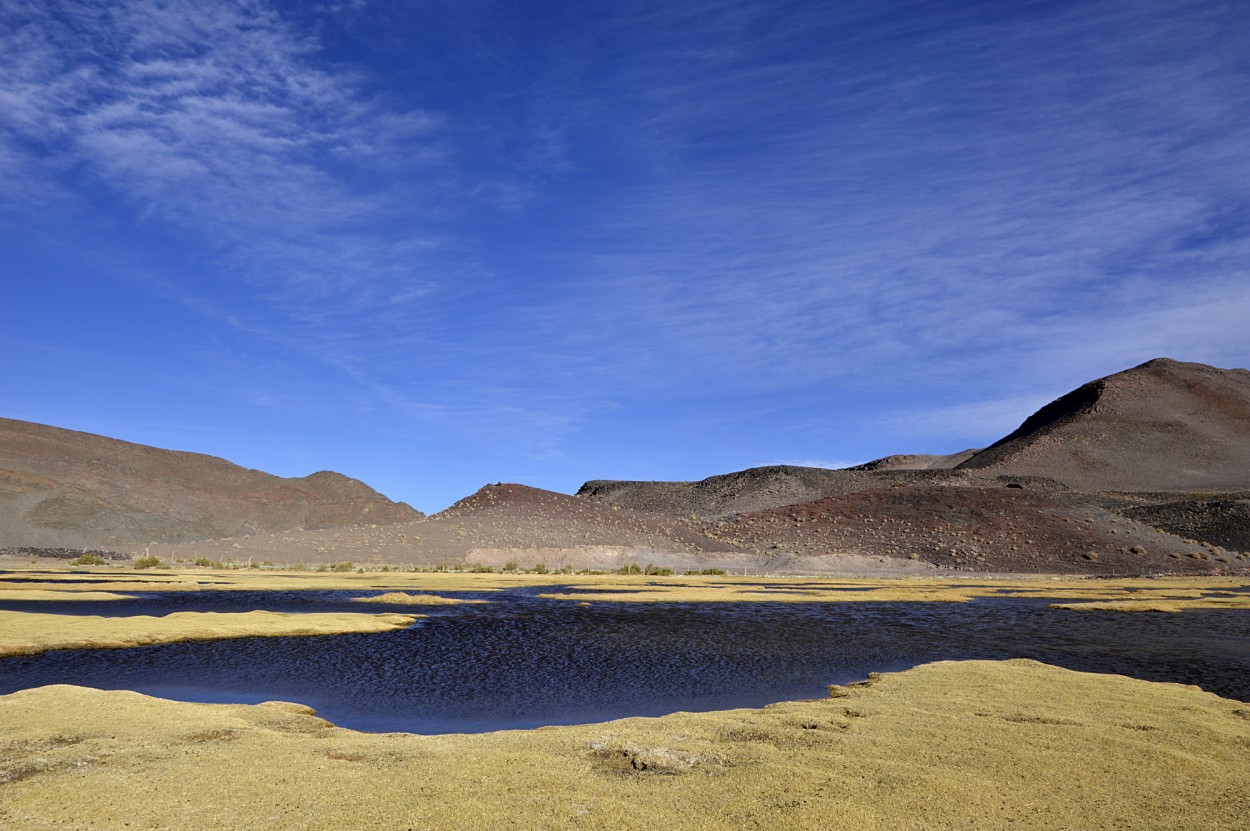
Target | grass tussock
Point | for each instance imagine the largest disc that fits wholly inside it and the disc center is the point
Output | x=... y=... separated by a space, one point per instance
x=1000 y=745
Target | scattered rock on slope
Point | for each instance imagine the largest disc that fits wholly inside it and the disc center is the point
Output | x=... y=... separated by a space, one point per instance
x=1224 y=522
x=979 y=528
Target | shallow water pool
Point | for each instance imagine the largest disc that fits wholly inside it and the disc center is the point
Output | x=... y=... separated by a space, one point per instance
x=521 y=661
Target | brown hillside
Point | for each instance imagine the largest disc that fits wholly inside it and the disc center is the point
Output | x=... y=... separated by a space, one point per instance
x=498 y=524
x=995 y=529
x=521 y=516
x=1161 y=426
x=66 y=488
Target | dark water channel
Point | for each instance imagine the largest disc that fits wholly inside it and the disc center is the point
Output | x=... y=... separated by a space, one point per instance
x=521 y=661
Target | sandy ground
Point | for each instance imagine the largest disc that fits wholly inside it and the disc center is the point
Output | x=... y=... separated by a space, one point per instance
x=25 y=633
x=951 y=745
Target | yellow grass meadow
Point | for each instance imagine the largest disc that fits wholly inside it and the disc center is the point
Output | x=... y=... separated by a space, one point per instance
x=950 y=745
x=954 y=745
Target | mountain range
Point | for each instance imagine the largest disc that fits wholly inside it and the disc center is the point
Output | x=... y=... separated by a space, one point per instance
x=1143 y=471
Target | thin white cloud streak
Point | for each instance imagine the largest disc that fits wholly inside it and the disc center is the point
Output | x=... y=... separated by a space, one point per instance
x=1016 y=218
x=1011 y=200
x=941 y=214
x=215 y=118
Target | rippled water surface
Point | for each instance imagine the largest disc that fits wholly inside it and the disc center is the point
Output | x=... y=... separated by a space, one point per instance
x=521 y=661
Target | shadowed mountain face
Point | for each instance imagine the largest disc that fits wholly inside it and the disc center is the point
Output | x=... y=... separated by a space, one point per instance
x=1161 y=426
x=65 y=488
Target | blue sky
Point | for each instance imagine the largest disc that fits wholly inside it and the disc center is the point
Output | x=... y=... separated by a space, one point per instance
x=435 y=245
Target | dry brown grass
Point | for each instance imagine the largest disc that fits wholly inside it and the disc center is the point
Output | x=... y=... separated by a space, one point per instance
x=23 y=633
x=951 y=745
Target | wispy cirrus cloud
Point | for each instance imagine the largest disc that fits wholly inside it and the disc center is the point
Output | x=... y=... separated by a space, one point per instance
x=219 y=120
x=748 y=230
x=1005 y=186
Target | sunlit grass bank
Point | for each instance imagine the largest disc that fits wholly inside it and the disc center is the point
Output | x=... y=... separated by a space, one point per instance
x=23 y=633
x=953 y=745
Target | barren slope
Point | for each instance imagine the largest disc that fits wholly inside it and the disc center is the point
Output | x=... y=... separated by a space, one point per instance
x=980 y=528
x=498 y=524
x=1161 y=426
x=65 y=488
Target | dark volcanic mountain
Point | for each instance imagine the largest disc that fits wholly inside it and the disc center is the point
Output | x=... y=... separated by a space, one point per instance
x=62 y=488
x=1161 y=426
